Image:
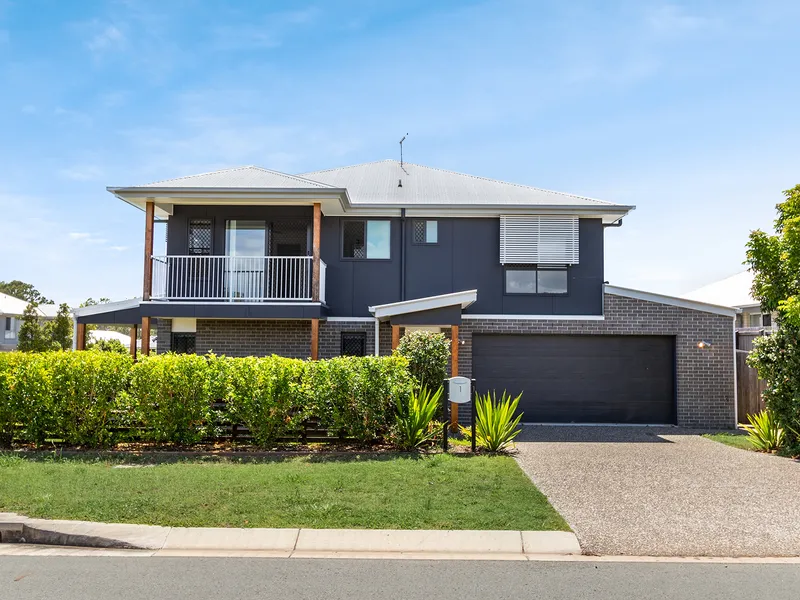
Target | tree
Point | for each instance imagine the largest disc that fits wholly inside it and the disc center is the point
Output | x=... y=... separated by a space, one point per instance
x=59 y=330
x=23 y=291
x=774 y=260
x=32 y=335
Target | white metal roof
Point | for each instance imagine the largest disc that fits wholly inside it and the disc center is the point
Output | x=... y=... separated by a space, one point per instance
x=731 y=291
x=9 y=305
x=248 y=177
x=671 y=300
x=464 y=299
x=378 y=183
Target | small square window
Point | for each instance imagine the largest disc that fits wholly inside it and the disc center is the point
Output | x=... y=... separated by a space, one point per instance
x=766 y=320
x=366 y=239
x=200 y=237
x=183 y=343
x=755 y=320
x=426 y=232
x=354 y=343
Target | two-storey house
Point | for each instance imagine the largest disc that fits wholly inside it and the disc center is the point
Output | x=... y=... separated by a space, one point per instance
x=344 y=261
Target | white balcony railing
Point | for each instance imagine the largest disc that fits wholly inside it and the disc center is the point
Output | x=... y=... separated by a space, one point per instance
x=235 y=278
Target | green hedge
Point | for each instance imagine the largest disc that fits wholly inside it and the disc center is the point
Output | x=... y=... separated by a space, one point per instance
x=94 y=398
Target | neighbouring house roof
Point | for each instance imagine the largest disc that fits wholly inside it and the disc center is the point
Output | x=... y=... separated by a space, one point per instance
x=383 y=187
x=462 y=299
x=731 y=291
x=9 y=305
x=716 y=309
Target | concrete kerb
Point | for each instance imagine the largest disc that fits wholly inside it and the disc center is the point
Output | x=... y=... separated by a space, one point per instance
x=306 y=543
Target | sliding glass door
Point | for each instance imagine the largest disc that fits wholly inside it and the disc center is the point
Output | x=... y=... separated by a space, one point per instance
x=245 y=247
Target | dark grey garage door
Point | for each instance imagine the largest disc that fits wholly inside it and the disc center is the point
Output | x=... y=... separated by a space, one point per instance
x=581 y=378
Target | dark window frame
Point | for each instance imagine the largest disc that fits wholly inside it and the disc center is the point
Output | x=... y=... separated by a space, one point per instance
x=9 y=324
x=766 y=319
x=414 y=242
x=189 y=235
x=366 y=241
x=183 y=335
x=535 y=268
x=360 y=335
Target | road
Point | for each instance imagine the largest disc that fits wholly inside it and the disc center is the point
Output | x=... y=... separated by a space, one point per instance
x=88 y=578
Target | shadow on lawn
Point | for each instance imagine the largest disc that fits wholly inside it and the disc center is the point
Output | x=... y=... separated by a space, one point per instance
x=157 y=457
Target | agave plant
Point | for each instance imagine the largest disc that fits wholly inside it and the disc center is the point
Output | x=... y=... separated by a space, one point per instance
x=414 y=422
x=495 y=423
x=764 y=432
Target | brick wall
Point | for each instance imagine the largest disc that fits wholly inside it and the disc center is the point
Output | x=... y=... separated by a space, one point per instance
x=164 y=343
x=704 y=378
x=240 y=337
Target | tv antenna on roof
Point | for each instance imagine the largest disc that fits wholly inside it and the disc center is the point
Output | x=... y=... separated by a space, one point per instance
x=401 y=150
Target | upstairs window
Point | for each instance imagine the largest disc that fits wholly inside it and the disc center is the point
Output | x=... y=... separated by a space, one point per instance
x=200 y=237
x=426 y=232
x=538 y=240
x=366 y=239
x=541 y=281
x=766 y=320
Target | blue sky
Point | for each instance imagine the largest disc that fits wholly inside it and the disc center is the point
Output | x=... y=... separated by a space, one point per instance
x=688 y=110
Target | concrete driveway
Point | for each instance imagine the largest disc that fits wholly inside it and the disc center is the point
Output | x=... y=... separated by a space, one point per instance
x=650 y=492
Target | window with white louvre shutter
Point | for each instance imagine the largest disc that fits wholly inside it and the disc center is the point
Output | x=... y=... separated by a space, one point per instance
x=538 y=240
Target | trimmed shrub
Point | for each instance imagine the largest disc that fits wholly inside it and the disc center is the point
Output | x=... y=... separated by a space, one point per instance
x=264 y=394
x=84 y=390
x=31 y=397
x=110 y=345
x=8 y=409
x=427 y=354
x=170 y=398
x=356 y=396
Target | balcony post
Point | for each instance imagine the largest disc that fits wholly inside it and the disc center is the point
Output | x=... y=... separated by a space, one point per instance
x=80 y=337
x=134 y=331
x=314 y=339
x=145 y=336
x=315 y=269
x=147 y=288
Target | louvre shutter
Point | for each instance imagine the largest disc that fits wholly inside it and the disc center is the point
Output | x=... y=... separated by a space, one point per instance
x=538 y=240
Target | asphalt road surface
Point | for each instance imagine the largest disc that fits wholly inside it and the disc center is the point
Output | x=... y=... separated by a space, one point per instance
x=113 y=578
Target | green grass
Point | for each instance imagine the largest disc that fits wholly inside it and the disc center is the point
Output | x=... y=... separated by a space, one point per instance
x=392 y=492
x=737 y=440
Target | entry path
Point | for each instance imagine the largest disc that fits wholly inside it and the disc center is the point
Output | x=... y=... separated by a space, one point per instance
x=664 y=492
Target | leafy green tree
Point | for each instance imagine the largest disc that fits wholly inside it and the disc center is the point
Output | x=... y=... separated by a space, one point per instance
x=24 y=291
x=33 y=336
x=774 y=260
x=427 y=355
x=59 y=330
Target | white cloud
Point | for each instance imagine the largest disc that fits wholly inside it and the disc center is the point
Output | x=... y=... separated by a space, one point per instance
x=119 y=248
x=268 y=33
x=105 y=38
x=673 y=19
x=79 y=235
x=82 y=173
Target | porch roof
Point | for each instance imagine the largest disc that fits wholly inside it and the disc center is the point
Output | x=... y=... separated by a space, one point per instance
x=437 y=305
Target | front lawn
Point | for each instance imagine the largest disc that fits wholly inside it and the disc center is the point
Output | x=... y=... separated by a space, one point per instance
x=737 y=440
x=384 y=492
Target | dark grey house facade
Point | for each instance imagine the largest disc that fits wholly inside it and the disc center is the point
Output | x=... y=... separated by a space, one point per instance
x=345 y=261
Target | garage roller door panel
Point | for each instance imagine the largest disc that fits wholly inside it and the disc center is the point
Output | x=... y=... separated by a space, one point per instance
x=581 y=379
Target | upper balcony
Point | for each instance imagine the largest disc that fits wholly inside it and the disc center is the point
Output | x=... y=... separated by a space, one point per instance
x=236 y=278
